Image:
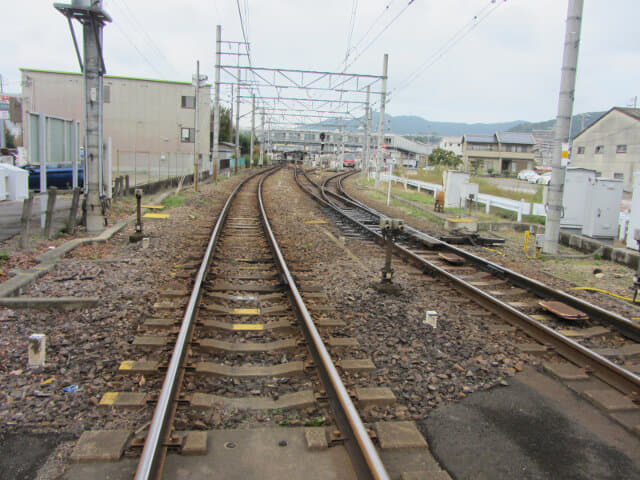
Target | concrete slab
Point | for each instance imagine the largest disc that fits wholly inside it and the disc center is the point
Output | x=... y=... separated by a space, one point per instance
x=100 y=446
x=534 y=429
x=357 y=365
x=48 y=302
x=532 y=348
x=212 y=344
x=280 y=370
x=393 y=435
x=375 y=396
x=610 y=400
x=316 y=438
x=194 y=443
x=628 y=351
x=304 y=398
x=565 y=371
x=160 y=322
x=150 y=340
x=343 y=342
x=123 y=400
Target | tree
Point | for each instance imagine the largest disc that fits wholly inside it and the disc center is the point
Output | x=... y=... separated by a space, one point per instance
x=447 y=158
x=226 y=129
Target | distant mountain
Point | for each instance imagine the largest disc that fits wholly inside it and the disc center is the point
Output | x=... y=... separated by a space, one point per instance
x=414 y=125
x=579 y=123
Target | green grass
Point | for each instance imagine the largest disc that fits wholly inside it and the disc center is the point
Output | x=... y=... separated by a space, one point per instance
x=488 y=188
x=173 y=201
x=4 y=256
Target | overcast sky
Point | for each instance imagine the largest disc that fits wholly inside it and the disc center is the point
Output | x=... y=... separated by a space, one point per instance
x=507 y=67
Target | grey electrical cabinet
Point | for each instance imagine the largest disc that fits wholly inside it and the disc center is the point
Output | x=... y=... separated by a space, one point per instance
x=574 y=198
x=602 y=208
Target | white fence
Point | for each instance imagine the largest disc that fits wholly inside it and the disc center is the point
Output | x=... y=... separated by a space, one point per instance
x=520 y=207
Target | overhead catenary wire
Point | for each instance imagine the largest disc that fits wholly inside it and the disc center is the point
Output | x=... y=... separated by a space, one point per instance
x=451 y=42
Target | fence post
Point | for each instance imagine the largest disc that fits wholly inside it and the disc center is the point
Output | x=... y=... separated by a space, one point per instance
x=126 y=185
x=520 y=213
x=73 y=213
x=51 y=203
x=26 y=221
x=487 y=206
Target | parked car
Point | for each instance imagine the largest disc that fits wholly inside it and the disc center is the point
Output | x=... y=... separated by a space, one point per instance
x=525 y=174
x=59 y=176
x=544 y=179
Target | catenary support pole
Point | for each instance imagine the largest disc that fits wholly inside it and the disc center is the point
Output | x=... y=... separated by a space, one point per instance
x=253 y=129
x=563 y=124
x=237 y=164
x=261 y=160
x=196 y=172
x=216 y=107
x=365 y=150
x=383 y=97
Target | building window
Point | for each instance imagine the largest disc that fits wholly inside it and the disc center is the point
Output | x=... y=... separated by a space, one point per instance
x=187 y=135
x=621 y=149
x=188 y=101
x=618 y=176
x=106 y=94
x=600 y=149
x=580 y=150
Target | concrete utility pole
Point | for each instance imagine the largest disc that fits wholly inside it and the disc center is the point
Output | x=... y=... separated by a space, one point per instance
x=383 y=97
x=237 y=164
x=92 y=17
x=3 y=102
x=365 y=150
x=195 y=130
x=253 y=129
x=563 y=125
x=231 y=117
x=216 y=107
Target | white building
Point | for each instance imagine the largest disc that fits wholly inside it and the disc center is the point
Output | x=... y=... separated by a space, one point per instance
x=453 y=144
x=155 y=117
x=611 y=145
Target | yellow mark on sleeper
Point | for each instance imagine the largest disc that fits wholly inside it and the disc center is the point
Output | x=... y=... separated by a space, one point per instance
x=109 y=398
x=246 y=311
x=248 y=326
x=127 y=365
x=161 y=216
x=154 y=207
x=315 y=222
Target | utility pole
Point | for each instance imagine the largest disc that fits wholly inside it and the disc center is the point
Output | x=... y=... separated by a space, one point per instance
x=365 y=150
x=383 y=97
x=93 y=18
x=231 y=118
x=2 y=114
x=563 y=124
x=253 y=128
x=216 y=107
x=195 y=130
x=237 y=164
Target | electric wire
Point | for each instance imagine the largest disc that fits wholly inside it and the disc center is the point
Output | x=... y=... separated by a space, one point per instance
x=451 y=42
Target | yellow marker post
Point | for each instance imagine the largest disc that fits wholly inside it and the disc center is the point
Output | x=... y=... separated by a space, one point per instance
x=527 y=234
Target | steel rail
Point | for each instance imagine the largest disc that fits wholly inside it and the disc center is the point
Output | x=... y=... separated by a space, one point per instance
x=365 y=458
x=152 y=459
x=609 y=372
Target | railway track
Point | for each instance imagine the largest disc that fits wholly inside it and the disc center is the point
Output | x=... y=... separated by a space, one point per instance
x=600 y=348
x=247 y=342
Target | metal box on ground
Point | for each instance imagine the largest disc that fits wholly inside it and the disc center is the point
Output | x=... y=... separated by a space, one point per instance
x=574 y=198
x=602 y=208
x=452 y=184
x=634 y=217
